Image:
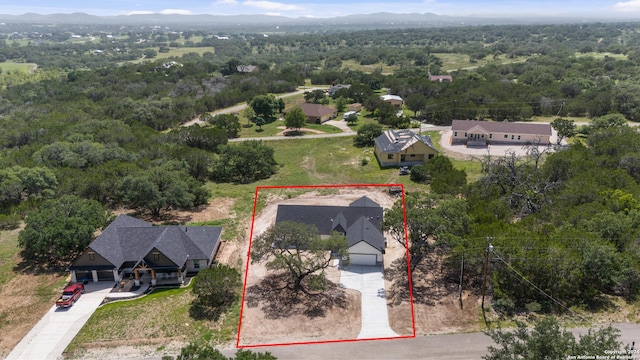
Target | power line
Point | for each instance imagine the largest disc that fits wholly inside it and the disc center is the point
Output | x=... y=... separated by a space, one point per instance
x=537 y=288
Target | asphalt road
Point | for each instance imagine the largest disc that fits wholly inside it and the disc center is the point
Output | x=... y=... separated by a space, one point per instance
x=453 y=346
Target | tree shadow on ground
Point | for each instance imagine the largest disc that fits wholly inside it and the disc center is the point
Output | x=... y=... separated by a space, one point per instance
x=33 y=267
x=429 y=281
x=277 y=300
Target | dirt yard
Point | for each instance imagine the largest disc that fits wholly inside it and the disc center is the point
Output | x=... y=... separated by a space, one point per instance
x=282 y=317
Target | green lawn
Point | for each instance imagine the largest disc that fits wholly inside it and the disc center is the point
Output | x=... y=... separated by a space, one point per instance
x=271 y=129
x=603 y=55
x=9 y=66
x=452 y=62
x=354 y=65
x=8 y=251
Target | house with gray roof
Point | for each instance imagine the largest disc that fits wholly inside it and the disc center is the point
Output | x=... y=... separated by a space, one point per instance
x=396 y=148
x=360 y=223
x=129 y=246
x=483 y=133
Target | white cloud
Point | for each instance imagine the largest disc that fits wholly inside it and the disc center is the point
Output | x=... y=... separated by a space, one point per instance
x=271 y=5
x=225 y=2
x=176 y=12
x=631 y=5
x=140 y=12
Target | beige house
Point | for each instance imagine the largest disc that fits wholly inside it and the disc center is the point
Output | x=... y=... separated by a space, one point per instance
x=483 y=133
x=403 y=148
x=317 y=114
x=394 y=100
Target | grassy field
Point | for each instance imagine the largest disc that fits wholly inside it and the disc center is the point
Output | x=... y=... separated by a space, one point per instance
x=272 y=129
x=177 y=52
x=9 y=66
x=603 y=55
x=354 y=65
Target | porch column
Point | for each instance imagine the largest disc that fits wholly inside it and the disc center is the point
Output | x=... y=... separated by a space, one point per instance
x=180 y=276
x=153 y=278
x=73 y=276
x=137 y=280
x=94 y=275
x=116 y=276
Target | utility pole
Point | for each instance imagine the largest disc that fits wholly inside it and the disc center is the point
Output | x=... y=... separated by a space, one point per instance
x=484 y=274
x=461 y=277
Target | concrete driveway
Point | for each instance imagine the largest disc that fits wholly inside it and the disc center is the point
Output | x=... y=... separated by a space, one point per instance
x=369 y=280
x=56 y=329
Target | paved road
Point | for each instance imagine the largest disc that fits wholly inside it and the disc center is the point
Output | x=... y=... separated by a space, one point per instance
x=369 y=281
x=453 y=346
x=238 y=108
x=51 y=335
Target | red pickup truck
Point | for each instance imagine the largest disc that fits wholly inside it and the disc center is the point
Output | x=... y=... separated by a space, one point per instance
x=70 y=295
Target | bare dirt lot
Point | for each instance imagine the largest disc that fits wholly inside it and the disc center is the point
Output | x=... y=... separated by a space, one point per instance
x=283 y=317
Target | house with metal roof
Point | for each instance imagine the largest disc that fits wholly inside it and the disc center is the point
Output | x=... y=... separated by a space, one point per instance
x=483 y=133
x=129 y=246
x=394 y=100
x=403 y=148
x=360 y=223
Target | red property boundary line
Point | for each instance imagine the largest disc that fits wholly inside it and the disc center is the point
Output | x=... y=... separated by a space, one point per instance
x=246 y=272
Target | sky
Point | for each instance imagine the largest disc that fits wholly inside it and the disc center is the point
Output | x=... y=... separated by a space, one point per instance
x=623 y=9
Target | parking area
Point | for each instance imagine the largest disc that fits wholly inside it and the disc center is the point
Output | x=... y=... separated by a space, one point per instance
x=51 y=335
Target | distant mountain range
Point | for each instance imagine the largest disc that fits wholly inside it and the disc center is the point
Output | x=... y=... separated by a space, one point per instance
x=377 y=20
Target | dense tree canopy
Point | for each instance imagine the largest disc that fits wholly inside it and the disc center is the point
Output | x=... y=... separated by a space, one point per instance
x=60 y=229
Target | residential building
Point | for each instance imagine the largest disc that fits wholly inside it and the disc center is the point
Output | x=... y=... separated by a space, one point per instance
x=394 y=100
x=332 y=90
x=360 y=223
x=441 y=78
x=317 y=114
x=403 y=148
x=483 y=133
x=131 y=247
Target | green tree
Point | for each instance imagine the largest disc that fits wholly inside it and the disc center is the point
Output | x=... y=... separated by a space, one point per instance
x=341 y=103
x=565 y=128
x=249 y=114
x=415 y=102
x=609 y=120
x=546 y=340
x=265 y=106
x=162 y=187
x=216 y=289
x=195 y=351
x=245 y=162
x=367 y=135
x=298 y=249
x=432 y=220
x=60 y=229
x=295 y=119
x=259 y=120
x=227 y=122
x=352 y=119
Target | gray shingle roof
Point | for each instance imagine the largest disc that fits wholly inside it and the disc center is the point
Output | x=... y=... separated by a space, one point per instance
x=503 y=127
x=395 y=141
x=364 y=230
x=364 y=211
x=128 y=240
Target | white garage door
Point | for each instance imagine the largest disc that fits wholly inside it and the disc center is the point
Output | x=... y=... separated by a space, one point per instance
x=362 y=259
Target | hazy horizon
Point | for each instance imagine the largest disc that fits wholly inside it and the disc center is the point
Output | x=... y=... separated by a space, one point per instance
x=334 y=8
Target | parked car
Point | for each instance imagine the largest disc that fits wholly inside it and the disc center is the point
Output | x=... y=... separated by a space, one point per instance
x=70 y=294
x=404 y=170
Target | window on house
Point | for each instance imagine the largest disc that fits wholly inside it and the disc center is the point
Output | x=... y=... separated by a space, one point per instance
x=490 y=136
x=156 y=256
x=412 y=155
x=389 y=156
x=196 y=264
x=455 y=133
x=482 y=136
x=92 y=255
x=506 y=136
x=465 y=134
x=511 y=137
x=430 y=156
x=518 y=137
